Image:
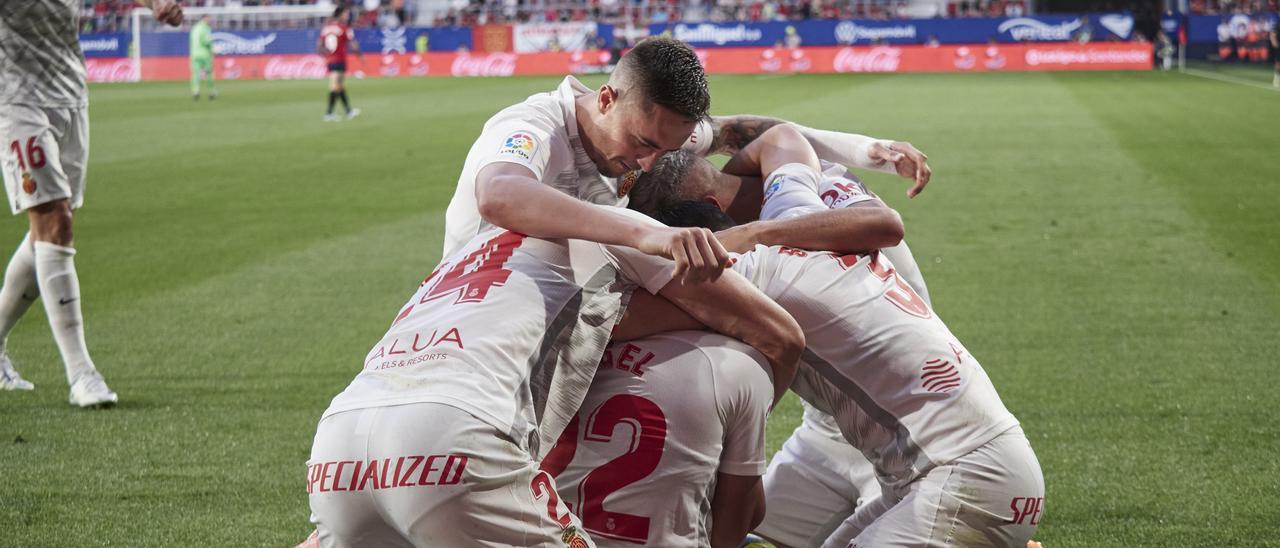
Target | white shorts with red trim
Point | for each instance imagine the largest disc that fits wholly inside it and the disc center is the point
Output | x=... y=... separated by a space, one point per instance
x=430 y=475
x=45 y=152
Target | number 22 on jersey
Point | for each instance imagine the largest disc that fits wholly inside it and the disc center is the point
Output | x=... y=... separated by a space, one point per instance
x=647 y=425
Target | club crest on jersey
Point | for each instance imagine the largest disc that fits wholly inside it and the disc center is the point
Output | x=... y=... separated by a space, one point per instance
x=572 y=538
x=627 y=181
x=28 y=183
x=521 y=145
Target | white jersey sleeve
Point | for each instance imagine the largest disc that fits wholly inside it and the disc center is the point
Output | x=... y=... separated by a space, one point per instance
x=840 y=188
x=744 y=392
x=540 y=134
x=513 y=136
x=790 y=191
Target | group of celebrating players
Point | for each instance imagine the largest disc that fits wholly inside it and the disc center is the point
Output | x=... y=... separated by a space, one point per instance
x=591 y=365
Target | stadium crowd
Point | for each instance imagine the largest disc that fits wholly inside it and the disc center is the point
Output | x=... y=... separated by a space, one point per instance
x=1215 y=7
x=113 y=15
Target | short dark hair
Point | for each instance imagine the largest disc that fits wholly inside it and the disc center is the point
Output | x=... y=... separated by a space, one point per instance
x=659 y=187
x=339 y=11
x=695 y=213
x=667 y=73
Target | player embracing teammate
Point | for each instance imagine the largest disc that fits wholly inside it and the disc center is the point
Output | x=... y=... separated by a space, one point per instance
x=447 y=435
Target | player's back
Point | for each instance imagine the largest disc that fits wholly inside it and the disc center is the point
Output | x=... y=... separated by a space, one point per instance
x=508 y=329
x=40 y=59
x=900 y=385
x=663 y=416
x=335 y=37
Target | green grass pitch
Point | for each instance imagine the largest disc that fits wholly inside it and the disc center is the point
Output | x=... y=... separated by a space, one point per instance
x=1108 y=245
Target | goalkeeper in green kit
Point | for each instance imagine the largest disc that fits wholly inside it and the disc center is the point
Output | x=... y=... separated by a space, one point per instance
x=202 y=58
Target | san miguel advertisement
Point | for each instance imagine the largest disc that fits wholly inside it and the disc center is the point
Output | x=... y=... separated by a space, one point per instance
x=813 y=60
x=980 y=30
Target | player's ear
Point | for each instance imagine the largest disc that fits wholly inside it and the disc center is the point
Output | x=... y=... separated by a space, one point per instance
x=606 y=99
x=713 y=201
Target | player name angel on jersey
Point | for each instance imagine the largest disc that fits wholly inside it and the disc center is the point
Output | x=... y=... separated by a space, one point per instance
x=541 y=134
x=562 y=299
x=664 y=415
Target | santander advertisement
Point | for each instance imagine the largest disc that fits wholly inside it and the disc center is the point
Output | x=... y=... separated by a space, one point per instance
x=814 y=60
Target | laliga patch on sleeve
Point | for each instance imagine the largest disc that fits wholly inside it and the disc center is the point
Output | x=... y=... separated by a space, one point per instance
x=772 y=189
x=519 y=146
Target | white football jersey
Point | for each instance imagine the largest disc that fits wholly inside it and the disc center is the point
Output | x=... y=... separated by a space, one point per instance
x=663 y=416
x=510 y=328
x=795 y=191
x=541 y=134
x=40 y=59
x=901 y=387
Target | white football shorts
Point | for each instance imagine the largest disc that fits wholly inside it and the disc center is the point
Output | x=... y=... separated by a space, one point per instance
x=430 y=474
x=45 y=152
x=992 y=496
x=812 y=485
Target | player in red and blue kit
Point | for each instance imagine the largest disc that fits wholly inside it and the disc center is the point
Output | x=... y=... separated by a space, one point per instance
x=335 y=38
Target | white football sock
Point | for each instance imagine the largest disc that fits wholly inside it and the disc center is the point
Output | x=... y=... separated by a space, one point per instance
x=20 y=289
x=56 y=274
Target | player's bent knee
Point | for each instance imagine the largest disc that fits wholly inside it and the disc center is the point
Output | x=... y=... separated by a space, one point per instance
x=51 y=222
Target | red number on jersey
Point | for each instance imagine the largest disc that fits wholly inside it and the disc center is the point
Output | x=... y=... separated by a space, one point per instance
x=901 y=294
x=477 y=273
x=648 y=438
x=35 y=154
x=543 y=486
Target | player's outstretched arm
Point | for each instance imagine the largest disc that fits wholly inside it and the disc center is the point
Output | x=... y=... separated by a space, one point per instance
x=735 y=308
x=168 y=12
x=780 y=145
x=737 y=507
x=729 y=134
x=510 y=197
x=843 y=230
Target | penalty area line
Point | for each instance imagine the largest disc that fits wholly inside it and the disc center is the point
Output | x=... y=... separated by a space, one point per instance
x=1227 y=79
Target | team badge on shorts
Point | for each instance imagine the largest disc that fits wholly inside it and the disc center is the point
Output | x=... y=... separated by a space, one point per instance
x=521 y=145
x=627 y=181
x=572 y=538
x=28 y=183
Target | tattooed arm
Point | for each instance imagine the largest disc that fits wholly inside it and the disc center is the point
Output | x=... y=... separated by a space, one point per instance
x=729 y=134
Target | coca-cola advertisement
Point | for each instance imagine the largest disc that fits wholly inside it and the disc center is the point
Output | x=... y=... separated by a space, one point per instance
x=110 y=70
x=485 y=64
x=818 y=60
x=877 y=59
x=281 y=67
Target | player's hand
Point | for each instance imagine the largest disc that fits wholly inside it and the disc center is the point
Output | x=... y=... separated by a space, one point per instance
x=168 y=12
x=741 y=238
x=907 y=160
x=698 y=254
